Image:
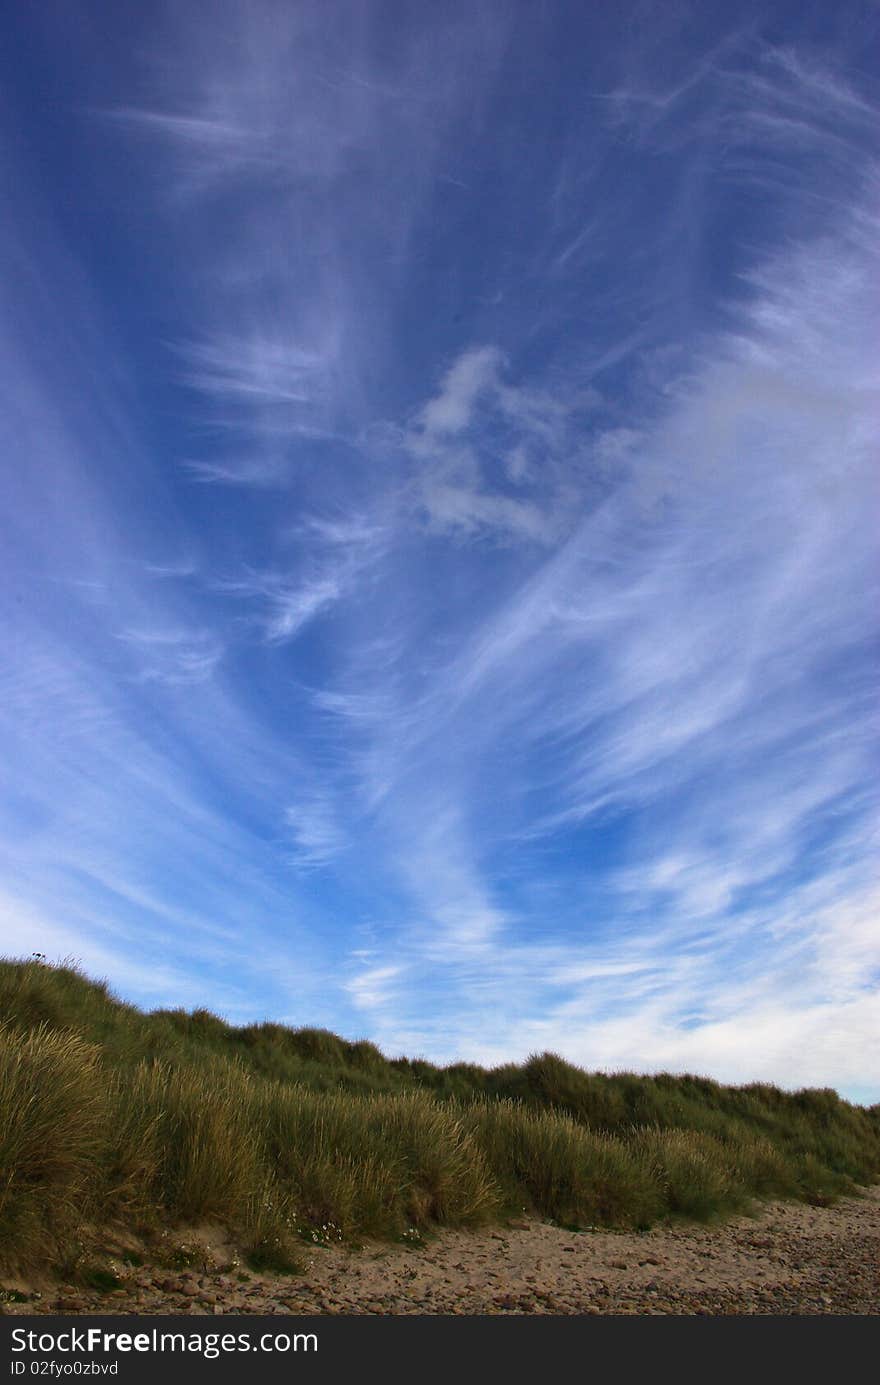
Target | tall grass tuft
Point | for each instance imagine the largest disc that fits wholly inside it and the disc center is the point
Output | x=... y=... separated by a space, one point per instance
x=373 y=1166
x=694 y=1171
x=51 y=1139
x=209 y=1156
x=550 y=1164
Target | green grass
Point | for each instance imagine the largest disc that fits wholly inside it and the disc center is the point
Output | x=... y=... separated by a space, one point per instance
x=109 y=1115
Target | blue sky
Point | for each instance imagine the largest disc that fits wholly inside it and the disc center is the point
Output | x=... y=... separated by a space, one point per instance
x=439 y=507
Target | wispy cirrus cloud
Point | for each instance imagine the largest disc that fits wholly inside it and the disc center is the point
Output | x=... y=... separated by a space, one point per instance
x=174 y=655
x=314 y=827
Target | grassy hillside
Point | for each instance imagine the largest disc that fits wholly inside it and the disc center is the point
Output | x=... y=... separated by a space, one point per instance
x=108 y=1114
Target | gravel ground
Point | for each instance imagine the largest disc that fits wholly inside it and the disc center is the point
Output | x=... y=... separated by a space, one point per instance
x=789 y=1259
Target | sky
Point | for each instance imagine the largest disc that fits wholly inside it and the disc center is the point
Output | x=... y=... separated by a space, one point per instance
x=439 y=522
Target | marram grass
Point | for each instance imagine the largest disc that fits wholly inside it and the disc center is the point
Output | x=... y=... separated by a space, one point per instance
x=112 y=1116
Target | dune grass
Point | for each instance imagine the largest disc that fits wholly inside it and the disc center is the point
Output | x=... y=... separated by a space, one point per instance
x=110 y=1115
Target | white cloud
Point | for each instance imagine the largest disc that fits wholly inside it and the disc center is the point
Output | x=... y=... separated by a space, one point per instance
x=241 y=368
x=314 y=826
x=174 y=655
x=375 y=987
x=470 y=485
x=451 y=409
x=286 y=607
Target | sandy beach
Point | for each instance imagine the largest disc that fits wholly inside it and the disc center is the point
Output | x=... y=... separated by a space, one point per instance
x=788 y=1259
